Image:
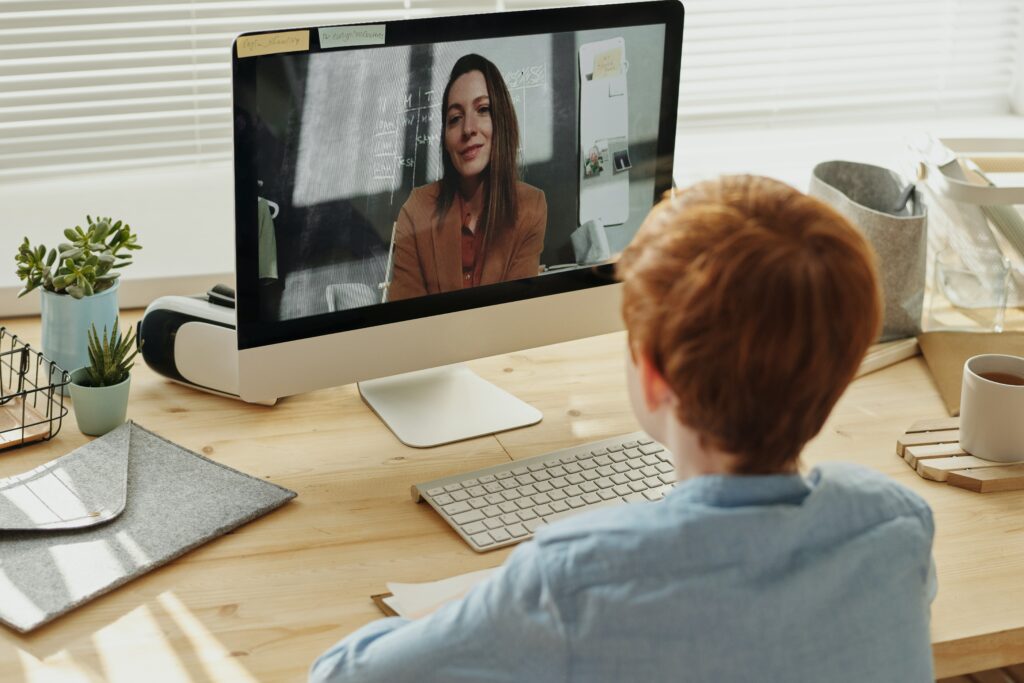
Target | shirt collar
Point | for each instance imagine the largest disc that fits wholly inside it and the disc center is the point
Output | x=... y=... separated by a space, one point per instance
x=745 y=490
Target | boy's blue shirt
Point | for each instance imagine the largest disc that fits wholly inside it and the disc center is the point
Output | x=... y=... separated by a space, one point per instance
x=823 y=577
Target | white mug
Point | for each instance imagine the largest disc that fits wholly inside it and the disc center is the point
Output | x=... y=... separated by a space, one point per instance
x=992 y=408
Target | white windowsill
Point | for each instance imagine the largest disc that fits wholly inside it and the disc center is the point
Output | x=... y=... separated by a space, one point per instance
x=184 y=215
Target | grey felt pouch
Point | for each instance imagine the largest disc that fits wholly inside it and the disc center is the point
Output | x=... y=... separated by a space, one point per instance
x=889 y=212
x=108 y=512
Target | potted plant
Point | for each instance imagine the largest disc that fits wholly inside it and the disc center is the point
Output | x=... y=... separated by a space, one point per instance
x=78 y=281
x=99 y=391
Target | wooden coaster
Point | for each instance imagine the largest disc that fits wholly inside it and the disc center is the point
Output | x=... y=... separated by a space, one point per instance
x=12 y=419
x=932 y=449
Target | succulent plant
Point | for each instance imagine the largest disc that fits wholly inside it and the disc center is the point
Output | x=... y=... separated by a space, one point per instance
x=88 y=263
x=110 y=357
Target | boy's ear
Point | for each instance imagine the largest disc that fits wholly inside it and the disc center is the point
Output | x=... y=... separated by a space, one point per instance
x=656 y=389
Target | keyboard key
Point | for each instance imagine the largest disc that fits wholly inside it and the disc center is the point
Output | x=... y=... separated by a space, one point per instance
x=494 y=498
x=467 y=517
x=603 y=461
x=607 y=494
x=482 y=540
x=517 y=531
x=509 y=495
x=556 y=494
x=652 y=482
x=520 y=471
x=493 y=523
x=503 y=475
x=622 y=490
x=508 y=507
x=469 y=482
x=615 y=448
x=557 y=471
x=542 y=475
x=476 y=491
x=605 y=471
x=477 y=503
x=474 y=528
x=650 y=460
x=452 y=487
x=525 y=479
x=543 y=486
x=638 y=486
x=667 y=478
x=526 y=514
x=618 y=456
x=657 y=493
x=443 y=499
x=574 y=502
x=591 y=498
x=543 y=510
x=510 y=518
x=633 y=475
x=644 y=442
x=591 y=475
x=589 y=486
x=436 y=491
x=491 y=511
x=574 y=479
x=573 y=490
x=560 y=505
x=535 y=467
x=541 y=498
x=456 y=508
x=664 y=467
x=650 y=471
x=493 y=487
x=572 y=467
x=530 y=489
x=509 y=484
x=559 y=482
x=599 y=451
x=651 y=449
x=487 y=478
x=631 y=444
x=604 y=482
x=566 y=459
x=524 y=503
x=634 y=498
x=532 y=524
x=588 y=465
x=460 y=495
x=632 y=453
x=619 y=478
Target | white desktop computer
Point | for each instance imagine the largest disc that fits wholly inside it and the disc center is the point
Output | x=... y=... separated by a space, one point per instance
x=412 y=194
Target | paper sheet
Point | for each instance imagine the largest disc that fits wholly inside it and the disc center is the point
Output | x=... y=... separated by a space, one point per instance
x=415 y=600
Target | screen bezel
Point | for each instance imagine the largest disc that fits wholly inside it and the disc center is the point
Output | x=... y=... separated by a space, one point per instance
x=253 y=332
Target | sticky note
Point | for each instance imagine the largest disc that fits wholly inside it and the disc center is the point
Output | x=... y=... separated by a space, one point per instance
x=272 y=43
x=351 y=36
x=608 y=63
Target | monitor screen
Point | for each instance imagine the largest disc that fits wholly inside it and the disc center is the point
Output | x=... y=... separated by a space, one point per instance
x=382 y=176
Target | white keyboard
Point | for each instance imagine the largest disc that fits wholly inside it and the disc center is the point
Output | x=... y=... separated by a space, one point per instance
x=501 y=505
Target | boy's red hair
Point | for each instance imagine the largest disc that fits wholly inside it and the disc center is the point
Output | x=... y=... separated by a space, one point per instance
x=756 y=303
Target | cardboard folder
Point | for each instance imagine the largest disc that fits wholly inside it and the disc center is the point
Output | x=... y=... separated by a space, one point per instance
x=108 y=512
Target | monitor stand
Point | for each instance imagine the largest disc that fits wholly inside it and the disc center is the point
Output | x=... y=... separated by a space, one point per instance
x=441 y=405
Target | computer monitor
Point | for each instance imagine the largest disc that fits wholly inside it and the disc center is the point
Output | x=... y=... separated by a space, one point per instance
x=411 y=194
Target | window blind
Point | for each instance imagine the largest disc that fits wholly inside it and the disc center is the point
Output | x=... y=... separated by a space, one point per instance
x=123 y=83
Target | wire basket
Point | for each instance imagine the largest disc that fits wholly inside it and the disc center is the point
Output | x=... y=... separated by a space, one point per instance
x=32 y=391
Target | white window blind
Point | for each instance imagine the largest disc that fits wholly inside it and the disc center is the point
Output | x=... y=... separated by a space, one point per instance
x=122 y=83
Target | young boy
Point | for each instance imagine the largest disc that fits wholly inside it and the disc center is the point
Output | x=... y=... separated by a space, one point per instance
x=749 y=307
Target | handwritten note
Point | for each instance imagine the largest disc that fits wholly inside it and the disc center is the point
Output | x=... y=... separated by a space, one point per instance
x=608 y=63
x=351 y=36
x=272 y=43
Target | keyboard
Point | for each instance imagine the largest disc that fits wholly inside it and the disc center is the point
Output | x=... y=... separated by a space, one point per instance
x=497 y=506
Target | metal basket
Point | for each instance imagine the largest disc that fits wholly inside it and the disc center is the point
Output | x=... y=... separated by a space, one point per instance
x=32 y=391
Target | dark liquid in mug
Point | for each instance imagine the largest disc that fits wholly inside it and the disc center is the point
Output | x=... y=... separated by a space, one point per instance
x=1003 y=378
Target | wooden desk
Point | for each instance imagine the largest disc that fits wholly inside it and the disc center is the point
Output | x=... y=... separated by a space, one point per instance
x=260 y=604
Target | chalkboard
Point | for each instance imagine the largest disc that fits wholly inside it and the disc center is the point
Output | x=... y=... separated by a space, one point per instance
x=346 y=136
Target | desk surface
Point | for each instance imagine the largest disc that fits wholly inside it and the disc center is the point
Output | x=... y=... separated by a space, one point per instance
x=263 y=602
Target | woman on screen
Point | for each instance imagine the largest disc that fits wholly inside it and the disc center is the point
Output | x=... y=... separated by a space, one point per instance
x=477 y=225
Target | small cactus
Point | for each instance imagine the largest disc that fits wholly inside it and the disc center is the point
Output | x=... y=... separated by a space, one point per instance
x=88 y=263
x=109 y=359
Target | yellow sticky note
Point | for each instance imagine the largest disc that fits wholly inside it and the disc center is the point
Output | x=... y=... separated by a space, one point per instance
x=608 y=63
x=272 y=43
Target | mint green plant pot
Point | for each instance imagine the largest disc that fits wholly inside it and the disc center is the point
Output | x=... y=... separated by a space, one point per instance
x=67 y=320
x=98 y=409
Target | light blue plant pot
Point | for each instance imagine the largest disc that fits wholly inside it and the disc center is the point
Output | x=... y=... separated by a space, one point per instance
x=98 y=409
x=66 y=322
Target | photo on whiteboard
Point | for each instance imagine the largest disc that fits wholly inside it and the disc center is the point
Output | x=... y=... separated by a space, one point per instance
x=593 y=164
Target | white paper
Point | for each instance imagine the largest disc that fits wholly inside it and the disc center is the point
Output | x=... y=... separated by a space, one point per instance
x=415 y=600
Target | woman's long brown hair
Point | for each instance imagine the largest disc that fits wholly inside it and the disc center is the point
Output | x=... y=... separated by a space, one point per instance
x=500 y=209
